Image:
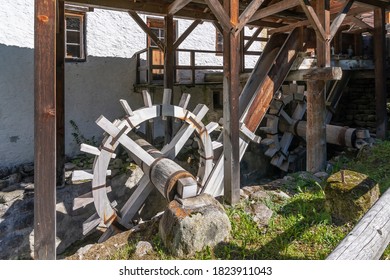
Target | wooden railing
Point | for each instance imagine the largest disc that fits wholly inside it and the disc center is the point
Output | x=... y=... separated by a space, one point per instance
x=145 y=65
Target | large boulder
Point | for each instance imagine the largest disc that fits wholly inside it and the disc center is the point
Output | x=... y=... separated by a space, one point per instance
x=349 y=195
x=193 y=224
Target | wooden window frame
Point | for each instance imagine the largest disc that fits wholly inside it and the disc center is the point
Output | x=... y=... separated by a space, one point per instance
x=83 y=52
x=218 y=42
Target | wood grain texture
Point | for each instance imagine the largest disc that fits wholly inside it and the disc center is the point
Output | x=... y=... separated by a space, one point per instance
x=45 y=130
x=370 y=237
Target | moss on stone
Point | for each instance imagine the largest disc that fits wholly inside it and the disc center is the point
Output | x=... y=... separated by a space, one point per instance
x=350 y=199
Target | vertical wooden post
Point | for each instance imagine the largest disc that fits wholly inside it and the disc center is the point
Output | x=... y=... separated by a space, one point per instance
x=316 y=107
x=60 y=93
x=380 y=75
x=230 y=107
x=169 y=68
x=45 y=130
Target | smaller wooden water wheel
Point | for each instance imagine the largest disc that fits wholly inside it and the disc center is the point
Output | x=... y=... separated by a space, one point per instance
x=288 y=107
x=160 y=171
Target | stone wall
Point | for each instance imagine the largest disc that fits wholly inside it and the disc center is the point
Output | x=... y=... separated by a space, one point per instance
x=357 y=105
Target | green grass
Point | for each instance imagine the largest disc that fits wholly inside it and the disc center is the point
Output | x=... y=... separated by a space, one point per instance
x=300 y=227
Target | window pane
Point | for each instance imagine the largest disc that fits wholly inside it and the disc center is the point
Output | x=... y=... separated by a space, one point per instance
x=73 y=23
x=72 y=51
x=73 y=37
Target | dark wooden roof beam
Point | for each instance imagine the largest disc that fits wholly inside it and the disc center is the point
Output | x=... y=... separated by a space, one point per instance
x=340 y=18
x=376 y=3
x=220 y=14
x=247 y=15
x=176 y=6
x=274 y=8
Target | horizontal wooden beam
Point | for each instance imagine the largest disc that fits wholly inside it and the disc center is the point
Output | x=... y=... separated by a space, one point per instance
x=177 y=6
x=376 y=3
x=358 y=22
x=247 y=15
x=274 y=8
x=147 y=30
x=324 y=74
x=220 y=14
x=185 y=34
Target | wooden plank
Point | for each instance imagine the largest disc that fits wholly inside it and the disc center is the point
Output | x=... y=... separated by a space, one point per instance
x=253 y=38
x=380 y=73
x=289 y=27
x=169 y=70
x=324 y=74
x=220 y=14
x=358 y=22
x=370 y=237
x=60 y=94
x=176 y=6
x=314 y=20
x=147 y=30
x=340 y=18
x=218 y=26
x=231 y=85
x=45 y=130
x=126 y=107
x=375 y=3
x=185 y=34
x=247 y=15
x=274 y=8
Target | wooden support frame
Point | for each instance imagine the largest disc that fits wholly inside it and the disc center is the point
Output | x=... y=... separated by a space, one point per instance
x=220 y=14
x=185 y=34
x=60 y=94
x=231 y=86
x=380 y=73
x=340 y=18
x=252 y=39
x=169 y=69
x=45 y=129
x=247 y=15
x=147 y=30
x=313 y=19
x=176 y=6
x=274 y=8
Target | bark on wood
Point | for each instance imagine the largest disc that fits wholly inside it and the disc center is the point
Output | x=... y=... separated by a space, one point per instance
x=370 y=237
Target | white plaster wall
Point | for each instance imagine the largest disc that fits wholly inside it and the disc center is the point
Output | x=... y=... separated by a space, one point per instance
x=92 y=88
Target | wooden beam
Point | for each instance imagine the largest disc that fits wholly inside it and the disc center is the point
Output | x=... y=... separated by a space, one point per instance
x=185 y=34
x=169 y=69
x=247 y=15
x=253 y=38
x=340 y=18
x=45 y=130
x=231 y=93
x=274 y=8
x=218 y=27
x=147 y=30
x=176 y=6
x=370 y=237
x=220 y=14
x=376 y=3
x=60 y=94
x=358 y=22
x=313 y=18
x=316 y=91
x=380 y=73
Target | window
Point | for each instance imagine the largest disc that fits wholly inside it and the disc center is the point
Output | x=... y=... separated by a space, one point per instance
x=75 y=36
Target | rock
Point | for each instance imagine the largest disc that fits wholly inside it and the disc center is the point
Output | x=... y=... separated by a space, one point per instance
x=4 y=172
x=260 y=213
x=14 y=178
x=69 y=166
x=243 y=194
x=13 y=195
x=321 y=175
x=3 y=184
x=308 y=176
x=191 y=225
x=349 y=199
x=280 y=195
x=28 y=168
x=143 y=248
x=259 y=195
x=83 y=250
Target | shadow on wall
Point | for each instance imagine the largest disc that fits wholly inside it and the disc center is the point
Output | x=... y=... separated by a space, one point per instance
x=92 y=88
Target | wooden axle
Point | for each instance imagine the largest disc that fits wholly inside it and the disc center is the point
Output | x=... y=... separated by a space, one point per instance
x=166 y=175
x=337 y=135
